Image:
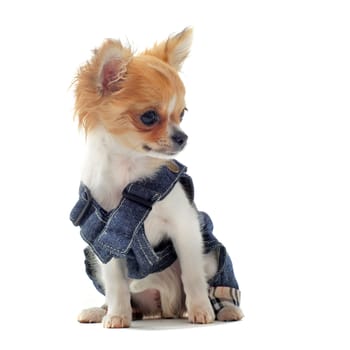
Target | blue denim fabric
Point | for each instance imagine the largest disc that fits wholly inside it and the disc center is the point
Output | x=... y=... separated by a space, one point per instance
x=225 y=275
x=120 y=233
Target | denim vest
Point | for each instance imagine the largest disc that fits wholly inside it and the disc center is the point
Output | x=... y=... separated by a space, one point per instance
x=120 y=233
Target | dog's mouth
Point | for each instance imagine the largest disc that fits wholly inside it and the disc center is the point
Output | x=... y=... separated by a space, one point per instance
x=146 y=148
x=167 y=146
x=161 y=152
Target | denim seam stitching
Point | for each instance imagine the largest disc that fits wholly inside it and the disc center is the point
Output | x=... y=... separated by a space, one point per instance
x=104 y=245
x=172 y=185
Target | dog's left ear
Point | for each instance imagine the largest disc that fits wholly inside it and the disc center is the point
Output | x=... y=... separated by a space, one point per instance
x=174 y=50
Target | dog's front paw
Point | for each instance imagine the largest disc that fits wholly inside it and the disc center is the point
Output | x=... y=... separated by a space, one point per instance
x=92 y=315
x=201 y=314
x=116 y=321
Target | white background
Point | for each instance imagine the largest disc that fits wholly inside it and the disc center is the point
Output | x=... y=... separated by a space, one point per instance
x=268 y=86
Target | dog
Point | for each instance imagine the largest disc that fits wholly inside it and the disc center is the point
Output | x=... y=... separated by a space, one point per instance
x=150 y=251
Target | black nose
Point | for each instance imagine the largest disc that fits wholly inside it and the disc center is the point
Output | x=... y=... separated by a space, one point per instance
x=179 y=138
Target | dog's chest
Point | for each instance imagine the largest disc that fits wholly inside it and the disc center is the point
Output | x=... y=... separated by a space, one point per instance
x=107 y=186
x=107 y=176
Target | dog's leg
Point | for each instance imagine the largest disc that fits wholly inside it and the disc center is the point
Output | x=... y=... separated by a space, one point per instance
x=225 y=308
x=197 y=302
x=187 y=241
x=119 y=312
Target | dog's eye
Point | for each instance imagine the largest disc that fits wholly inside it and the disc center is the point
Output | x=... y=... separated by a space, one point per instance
x=183 y=113
x=149 y=118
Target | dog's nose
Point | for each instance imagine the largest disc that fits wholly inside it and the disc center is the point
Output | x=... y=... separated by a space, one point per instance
x=179 y=138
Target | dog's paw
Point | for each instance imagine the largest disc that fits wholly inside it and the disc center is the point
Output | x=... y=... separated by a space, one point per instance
x=201 y=314
x=230 y=313
x=92 y=315
x=116 y=321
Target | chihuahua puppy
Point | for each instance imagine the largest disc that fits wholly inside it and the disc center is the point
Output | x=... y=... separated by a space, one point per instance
x=131 y=107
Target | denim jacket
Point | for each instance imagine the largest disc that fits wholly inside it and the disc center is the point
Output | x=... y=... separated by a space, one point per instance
x=120 y=233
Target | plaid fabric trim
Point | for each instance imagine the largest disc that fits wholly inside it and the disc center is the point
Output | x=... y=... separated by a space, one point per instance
x=223 y=296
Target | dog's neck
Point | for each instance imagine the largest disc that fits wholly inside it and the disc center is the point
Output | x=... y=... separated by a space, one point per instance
x=109 y=167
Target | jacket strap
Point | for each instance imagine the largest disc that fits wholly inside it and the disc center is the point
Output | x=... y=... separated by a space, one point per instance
x=112 y=234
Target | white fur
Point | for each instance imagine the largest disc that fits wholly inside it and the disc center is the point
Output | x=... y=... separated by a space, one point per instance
x=108 y=169
x=171 y=105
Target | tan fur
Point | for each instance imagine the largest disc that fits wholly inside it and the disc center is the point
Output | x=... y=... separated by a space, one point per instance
x=150 y=82
x=165 y=50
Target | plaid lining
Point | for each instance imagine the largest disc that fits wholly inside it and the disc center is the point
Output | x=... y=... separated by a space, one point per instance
x=223 y=296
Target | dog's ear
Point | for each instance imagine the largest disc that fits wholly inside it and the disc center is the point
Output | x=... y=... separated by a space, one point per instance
x=112 y=59
x=174 y=50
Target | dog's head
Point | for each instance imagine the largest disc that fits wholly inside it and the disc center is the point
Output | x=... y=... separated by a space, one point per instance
x=139 y=99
